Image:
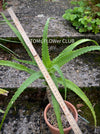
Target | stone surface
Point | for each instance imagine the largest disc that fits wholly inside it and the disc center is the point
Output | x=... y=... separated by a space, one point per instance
x=33 y=15
x=26 y=116
x=83 y=71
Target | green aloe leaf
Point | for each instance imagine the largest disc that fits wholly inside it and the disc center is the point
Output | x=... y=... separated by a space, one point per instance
x=80 y=93
x=3 y=21
x=3 y=92
x=16 y=66
x=19 y=36
x=68 y=49
x=57 y=108
x=1 y=111
x=24 y=85
x=12 y=41
x=26 y=61
x=57 y=68
x=66 y=57
x=57 y=112
x=8 y=50
x=75 y=44
x=45 y=52
x=98 y=5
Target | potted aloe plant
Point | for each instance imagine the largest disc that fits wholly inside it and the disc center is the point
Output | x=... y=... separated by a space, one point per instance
x=52 y=66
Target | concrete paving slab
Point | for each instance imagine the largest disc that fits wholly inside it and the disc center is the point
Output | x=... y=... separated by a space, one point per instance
x=33 y=15
x=83 y=71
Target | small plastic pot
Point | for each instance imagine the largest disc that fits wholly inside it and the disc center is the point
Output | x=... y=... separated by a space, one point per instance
x=55 y=130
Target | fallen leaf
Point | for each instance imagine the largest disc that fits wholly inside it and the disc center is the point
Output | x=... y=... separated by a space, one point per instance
x=79 y=105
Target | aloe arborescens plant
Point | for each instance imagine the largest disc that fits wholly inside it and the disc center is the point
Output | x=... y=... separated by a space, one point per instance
x=52 y=66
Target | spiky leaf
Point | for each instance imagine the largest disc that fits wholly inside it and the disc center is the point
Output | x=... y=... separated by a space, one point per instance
x=26 y=61
x=18 y=35
x=1 y=111
x=3 y=92
x=58 y=115
x=75 y=44
x=8 y=50
x=24 y=85
x=57 y=107
x=80 y=93
x=16 y=66
x=57 y=68
x=45 y=52
x=66 y=57
x=12 y=41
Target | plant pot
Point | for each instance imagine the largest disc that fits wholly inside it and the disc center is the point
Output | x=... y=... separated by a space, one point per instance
x=55 y=130
x=1 y=2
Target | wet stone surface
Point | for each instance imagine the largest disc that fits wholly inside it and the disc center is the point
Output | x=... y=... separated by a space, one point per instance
x=24 y=120
x=26 y=116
